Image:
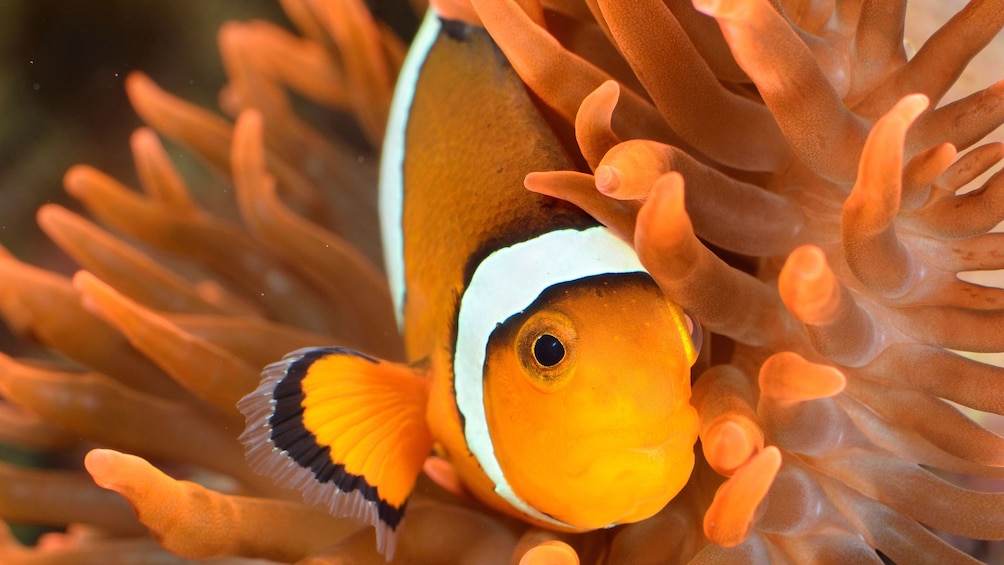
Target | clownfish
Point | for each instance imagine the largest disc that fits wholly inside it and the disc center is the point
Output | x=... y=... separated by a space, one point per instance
x=543 y=362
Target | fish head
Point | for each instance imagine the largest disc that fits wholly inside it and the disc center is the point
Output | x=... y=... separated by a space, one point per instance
x=587 y=399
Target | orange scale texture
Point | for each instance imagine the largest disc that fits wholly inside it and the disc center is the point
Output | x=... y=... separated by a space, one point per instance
x=785 y=170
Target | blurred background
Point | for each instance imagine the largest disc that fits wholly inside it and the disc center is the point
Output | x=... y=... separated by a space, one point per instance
x=63 y=63
x=62 y=101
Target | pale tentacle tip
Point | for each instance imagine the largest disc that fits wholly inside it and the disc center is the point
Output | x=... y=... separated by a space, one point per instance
x=100 y=464
x=551 y=552
x=533 y=180
x=75 y=180
x=95 y=296
x=57 y=541
x=252 y=121
x=49 y=216
x=445 y=475
x=730 y=517
x=143 y=137
x=808 y=287
x=663 y=221
x=609 y=85
x=808 y=263
x=669 y=187
x=706 y=6
x=911 y=106
x=714 y=8
x=75 y=536
x=728 y=446
x=787 y=377
x=609 y=91
x=608 y=179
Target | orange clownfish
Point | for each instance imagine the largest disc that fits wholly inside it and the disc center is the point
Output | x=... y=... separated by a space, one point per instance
x=544 y=363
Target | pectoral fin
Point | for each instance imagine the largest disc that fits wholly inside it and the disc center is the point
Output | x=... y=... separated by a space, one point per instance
x=345 y=429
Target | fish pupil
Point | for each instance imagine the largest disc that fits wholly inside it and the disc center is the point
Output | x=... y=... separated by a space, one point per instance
x=548 y=350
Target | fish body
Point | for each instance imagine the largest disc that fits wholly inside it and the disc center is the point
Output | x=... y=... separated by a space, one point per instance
x=542 y=361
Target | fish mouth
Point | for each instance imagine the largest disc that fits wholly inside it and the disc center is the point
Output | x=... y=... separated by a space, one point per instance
x=614 y=474
x=650 y=453
x=676 y=433
x=630 y=483
x=661 y=451
x=647 y=460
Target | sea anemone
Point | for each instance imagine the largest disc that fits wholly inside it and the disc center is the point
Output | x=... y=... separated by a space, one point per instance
x=783 y=169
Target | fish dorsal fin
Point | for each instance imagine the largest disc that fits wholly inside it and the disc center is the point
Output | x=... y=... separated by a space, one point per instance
x=345 y=429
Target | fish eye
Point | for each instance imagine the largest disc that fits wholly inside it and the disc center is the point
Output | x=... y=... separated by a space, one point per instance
x=548 y=350
x=546 y=346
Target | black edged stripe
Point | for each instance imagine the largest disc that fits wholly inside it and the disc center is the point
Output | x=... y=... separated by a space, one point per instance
x=289 y=434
